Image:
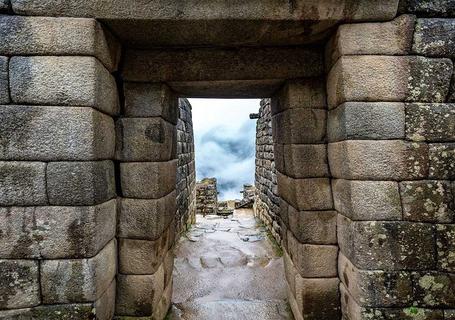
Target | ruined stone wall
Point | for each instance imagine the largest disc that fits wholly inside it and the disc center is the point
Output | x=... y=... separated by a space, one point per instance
x=186 y=172
x=266 y=206
x=206 y=196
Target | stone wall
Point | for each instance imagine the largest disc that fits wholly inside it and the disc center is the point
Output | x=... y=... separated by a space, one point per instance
x=266 y=206
x=186 y=173
x=206 y=196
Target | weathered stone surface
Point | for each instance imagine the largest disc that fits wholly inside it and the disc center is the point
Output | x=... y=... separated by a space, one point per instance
x=146 y=219
x=388 y=78
x=19 y=283
x=72 y=81
x=449 y=314
x=148 y=180
x=55 y=133
x=313 y=261
x=383 y=245
x=442 y=8
x=434 y=289
x=367 y=200
x=137 y=295
x=300 y=93
x=378 y=160
x=222 y=64
x=84 y=280
x=306 y=194
x=80 y=183
x=302 y=160
x=160 y=311
x=366 y=120
x=38 y=36
x=145 y=139
x=434 y=37
x=442 y=161
x=45 y=312
x=430 y=122
x=318 y=298
x=4 y=5
x=303 y=125
x=56 y=232
x=142 y=256
x=4 y=84
x=105 y=306
x=445 y=242
x=150 y=100
x=451 y=97
x=383 y=38
x=22 y=183
x=376 y=288
x=427 y=201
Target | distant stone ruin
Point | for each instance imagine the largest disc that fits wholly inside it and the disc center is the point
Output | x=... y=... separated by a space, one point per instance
x=206 y=197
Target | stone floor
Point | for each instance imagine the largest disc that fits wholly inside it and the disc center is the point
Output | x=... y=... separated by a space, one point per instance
x=227 y=269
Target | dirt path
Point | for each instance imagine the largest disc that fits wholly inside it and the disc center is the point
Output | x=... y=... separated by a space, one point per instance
x=228 y=269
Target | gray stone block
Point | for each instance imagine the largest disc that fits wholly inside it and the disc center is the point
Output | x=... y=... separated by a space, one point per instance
x=146 y=219
x=19 y=283
x=104 y=308
x=430 y=122
x=302 y=160
x=367 y=121
x=4 y=84
x=22 y=183
x=451 y=97
x=445 y=242
x=4 y=5
x=434 y=289
x=78 y=280
x=442 y=161
x=49 y=36
x=378 y=160
x=449 y=314
x=145 y=139
x=443 y=8
x=367 y=200
x=161 y=310
x=55 y=133
x=434 y=37
x=71 y=81
x=45 y=312
x=80 y=183
x=427 y=201
x=388 y=78
x=150 y=100
x=56 y=232
x=387 y=245
x=148 y=180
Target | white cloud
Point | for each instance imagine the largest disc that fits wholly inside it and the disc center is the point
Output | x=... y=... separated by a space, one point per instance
x=225 y=142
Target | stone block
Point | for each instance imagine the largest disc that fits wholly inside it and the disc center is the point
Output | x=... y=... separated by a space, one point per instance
x=146 y=219
x=297 y=126
x=442 y=161
x=56 y=232
x=145 y=139
x=449 y=314
x=4 y=5
x=78 y=280
x=445 y=242
x=430 y=122
x=376 y=288
x=302 y=160
x=105 y=306
x=22 y=183
x=367 y=200
x=427 y=201
x=150 y=100
x=388 y=78
x=80 y=183
x=434 y=289
x=161 y=310
x=306 y=194
x=387 y=245
x=318 y=298
x=4 y=84
x=139 y=295
x=366 y=121
x=300 y=93
x=55 y=133
x=433 y=37
x=428 y=7
x=383 y=38
x=142 y=256
x=451 y=97
x=46 y=36
x=313 y=261
x=148 y=180
x=45 y=312
x=378 y=160
x=71 y=81
x=19 y=283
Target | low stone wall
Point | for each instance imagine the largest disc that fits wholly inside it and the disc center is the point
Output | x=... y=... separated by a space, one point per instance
x=266 y=206
x=206 y=196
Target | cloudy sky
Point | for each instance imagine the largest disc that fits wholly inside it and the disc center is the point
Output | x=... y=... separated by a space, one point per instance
x=224 y=139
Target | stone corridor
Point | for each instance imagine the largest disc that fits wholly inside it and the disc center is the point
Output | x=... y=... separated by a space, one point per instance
x=228 y=269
